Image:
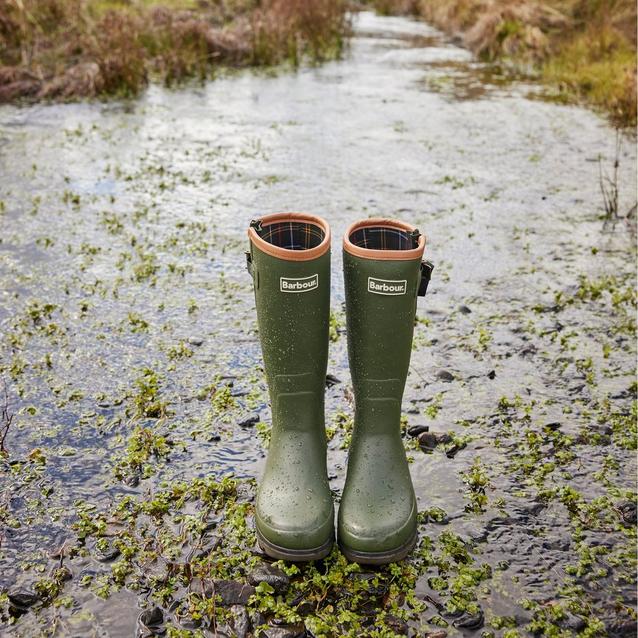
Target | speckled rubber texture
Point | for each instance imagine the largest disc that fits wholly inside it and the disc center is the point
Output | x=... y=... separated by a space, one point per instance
x=294 y=513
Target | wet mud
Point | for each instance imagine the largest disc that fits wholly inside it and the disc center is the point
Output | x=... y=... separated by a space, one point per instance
x=136 y=416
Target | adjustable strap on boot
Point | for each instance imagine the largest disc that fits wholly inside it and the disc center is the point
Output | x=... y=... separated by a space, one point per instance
x=426 y=273
x=256 y=224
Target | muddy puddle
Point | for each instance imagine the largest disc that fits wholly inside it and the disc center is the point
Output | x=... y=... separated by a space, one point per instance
x=129 y=351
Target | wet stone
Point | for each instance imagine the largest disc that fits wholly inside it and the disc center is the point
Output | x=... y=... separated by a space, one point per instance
x=428 y=441
x=470 y=621
x=105 y=552
x=195 y=340
x=265 y=573
x=22 y=598
x=284 y=631
x=491 y=374
x=445 y=375
x=416 y=430
x=231 y=592
x=628 y=512
x=152 y=622
x=240 y=623
x=573 y=622
x=62 y=574
x=622 y=627
x=249 y=421
x=464 y=310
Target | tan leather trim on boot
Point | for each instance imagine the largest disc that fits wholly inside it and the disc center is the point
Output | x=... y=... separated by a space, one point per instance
x=285 y=253
x=372 y=253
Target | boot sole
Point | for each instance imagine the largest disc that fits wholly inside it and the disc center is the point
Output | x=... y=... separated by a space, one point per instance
x=294 y=555
x=380 y=558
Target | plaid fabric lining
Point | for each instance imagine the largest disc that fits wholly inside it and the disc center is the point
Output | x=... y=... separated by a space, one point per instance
x=383 y=238
x=292 y=235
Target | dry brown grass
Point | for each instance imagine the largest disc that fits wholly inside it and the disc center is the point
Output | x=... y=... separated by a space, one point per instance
x=85 y=48
x=585 y=48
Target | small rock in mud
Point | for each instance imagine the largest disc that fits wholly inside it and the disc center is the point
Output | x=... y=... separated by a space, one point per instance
x=445 y=375
x=464 y=310
x=331 y=380
x=428 y=441
x=440 y=633
x=105 y=551
x=240 y=623
x=397 y=625
x=284 y=631
x=554 y=426
x=22 y=599
x=628 y=512
x=249 y=421
x=265 y=573
x=195 y=340
x=470 y=621
x=132 y=480
x=232 y=592
x=305 y=607
x=491 y=375
x=62 y=574
x=454 y=450
x=152 y=619
x=416 y=430
x=622 y=627
x=572 y=622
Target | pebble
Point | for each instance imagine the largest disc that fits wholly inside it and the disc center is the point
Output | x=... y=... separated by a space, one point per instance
x=284 y=631
x=249 y=421
x=110 y=552
x=428 y=440
x=240 y=622
x=628 y=512
x=415 y=430
x=232 y=592
x=22 y=598
x=491 y=374
x=195 y=340
x=445 y=375
x=331 y=380
x=470 y=621
x=464 y=310
x=151 y=618
x=265 y=573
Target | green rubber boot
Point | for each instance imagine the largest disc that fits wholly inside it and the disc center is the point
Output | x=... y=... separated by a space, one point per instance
x=383 y=276
x=290 y=263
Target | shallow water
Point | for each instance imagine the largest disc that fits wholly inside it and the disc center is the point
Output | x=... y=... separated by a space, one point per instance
x=123 y=237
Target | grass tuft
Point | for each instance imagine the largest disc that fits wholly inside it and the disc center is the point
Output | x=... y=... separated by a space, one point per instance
x=64 y=49
x=584 y=48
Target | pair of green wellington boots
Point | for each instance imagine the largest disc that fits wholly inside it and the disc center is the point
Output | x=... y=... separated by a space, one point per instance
x=289 y=260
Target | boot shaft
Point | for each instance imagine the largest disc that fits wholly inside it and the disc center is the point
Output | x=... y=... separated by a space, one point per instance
x=290 y=264
x=382 y=273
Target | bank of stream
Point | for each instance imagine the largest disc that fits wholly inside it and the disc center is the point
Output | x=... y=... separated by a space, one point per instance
x=136 y=417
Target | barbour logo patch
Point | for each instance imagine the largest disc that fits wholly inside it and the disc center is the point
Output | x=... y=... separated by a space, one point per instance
x=299 y=284
x=387 y=286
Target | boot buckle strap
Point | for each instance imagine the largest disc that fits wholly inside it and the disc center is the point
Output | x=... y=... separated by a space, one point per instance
x=426 y=273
